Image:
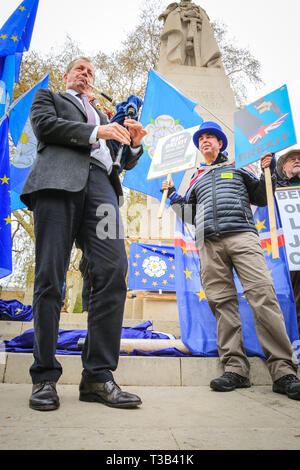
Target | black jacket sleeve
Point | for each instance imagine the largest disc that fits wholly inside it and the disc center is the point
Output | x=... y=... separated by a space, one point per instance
x=257 y=187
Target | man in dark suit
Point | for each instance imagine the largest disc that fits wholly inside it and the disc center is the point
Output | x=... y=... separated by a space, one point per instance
x=73 y=189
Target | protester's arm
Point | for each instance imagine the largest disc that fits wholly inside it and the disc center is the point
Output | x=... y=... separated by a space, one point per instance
x=257 y=187
x=185 y=210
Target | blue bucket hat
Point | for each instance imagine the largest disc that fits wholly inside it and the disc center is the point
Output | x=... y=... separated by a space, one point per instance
x=210 y=127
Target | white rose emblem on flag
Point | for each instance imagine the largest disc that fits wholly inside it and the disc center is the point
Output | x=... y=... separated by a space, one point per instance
x=154 y=266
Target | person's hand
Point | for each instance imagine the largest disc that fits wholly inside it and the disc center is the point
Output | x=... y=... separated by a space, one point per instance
x=136 y=131
x=168 y=183
x=265 y=160
x=114 y=131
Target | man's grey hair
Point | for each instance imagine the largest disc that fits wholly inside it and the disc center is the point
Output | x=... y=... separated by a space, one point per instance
x=71 y=64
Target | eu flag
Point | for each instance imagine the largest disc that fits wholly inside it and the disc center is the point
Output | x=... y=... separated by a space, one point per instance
x=165 y=111
x=24 y=140
x=7 y=79
x=15 y=38
x=5 y=213
x=151 y=267
x=15 y=34
x=197 y=323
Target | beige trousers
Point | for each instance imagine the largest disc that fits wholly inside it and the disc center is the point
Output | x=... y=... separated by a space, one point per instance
x=242 y=251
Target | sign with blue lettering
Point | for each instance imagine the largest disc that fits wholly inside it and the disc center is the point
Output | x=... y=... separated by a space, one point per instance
x=263 y=126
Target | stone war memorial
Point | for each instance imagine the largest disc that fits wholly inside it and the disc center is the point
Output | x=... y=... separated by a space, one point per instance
x=191 y=60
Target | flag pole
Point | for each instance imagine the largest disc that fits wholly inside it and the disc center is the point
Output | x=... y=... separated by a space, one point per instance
x=163 y=199
x=271 y=211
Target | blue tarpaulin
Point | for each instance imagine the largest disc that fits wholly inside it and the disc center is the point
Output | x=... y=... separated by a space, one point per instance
x=67 y=342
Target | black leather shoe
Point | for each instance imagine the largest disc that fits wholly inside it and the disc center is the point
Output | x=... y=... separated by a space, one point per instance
x=229 y=381
x=108 y=393
x=44 y=396
x=288 y=385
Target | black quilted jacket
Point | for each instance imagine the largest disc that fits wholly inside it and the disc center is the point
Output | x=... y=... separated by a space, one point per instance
x=219 y=201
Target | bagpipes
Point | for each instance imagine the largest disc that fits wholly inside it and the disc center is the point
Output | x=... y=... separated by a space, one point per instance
x=128 y=108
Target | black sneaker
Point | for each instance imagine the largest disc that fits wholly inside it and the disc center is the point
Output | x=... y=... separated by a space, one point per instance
x=288 y=385
x=229 y=381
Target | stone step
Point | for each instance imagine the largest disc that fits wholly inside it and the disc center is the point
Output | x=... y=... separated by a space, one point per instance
x=136 y=370
x=132 y=370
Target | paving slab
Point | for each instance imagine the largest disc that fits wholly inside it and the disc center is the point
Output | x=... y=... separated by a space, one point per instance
x=170 y=418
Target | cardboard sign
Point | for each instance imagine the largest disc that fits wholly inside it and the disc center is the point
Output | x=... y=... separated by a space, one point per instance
x=265 y=126
x=174 y=153
x=289 y=207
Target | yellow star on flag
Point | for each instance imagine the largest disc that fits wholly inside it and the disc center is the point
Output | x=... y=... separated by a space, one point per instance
x=144 y=281
x=270 y=274
x=165 y=282
x=260 y=225
x=137 y=256
x=171 y=276
x=154 y=283
x=8 y=220
x=22 y=8
x=4 y=180
x=244 y=297
x=144 y=250
x=268 y=248
x=171 y=259
x=164 y=252
x=187 y=274
x=154 y=249
x=134 y=264
x=18 y=311
x=14 y=38
x=184 y=250
x=137 y=273
x=201 y=295
x=3 y=36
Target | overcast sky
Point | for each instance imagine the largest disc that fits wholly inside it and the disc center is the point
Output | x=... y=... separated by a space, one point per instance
x=269 y=28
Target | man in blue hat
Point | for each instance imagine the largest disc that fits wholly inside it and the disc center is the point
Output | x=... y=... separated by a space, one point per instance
x=219 y=197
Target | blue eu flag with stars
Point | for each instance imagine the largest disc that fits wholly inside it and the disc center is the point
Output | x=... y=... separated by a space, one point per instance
x=151 y=267
x=197 y=323
x=5 y=220
x=24 y=140
x=15 y=38
x=165 y=111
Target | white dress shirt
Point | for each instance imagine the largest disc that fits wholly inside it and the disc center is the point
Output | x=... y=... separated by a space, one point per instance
x=101 y=153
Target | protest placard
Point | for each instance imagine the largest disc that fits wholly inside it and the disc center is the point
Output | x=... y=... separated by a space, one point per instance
x=174 y=153
x=264 y=126
x=289 y=208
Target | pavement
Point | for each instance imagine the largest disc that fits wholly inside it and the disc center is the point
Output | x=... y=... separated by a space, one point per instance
x=171 y=418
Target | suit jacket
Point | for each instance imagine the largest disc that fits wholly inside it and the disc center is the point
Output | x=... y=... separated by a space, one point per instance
x=63 y=150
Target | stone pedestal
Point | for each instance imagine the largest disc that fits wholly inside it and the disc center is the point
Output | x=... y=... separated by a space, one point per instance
x=74 y=288
x=28 y=297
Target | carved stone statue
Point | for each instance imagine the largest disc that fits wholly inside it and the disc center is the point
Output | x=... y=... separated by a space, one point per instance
x=188 y=37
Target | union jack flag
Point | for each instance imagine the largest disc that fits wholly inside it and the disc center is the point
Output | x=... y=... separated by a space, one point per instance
x=264 y=130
